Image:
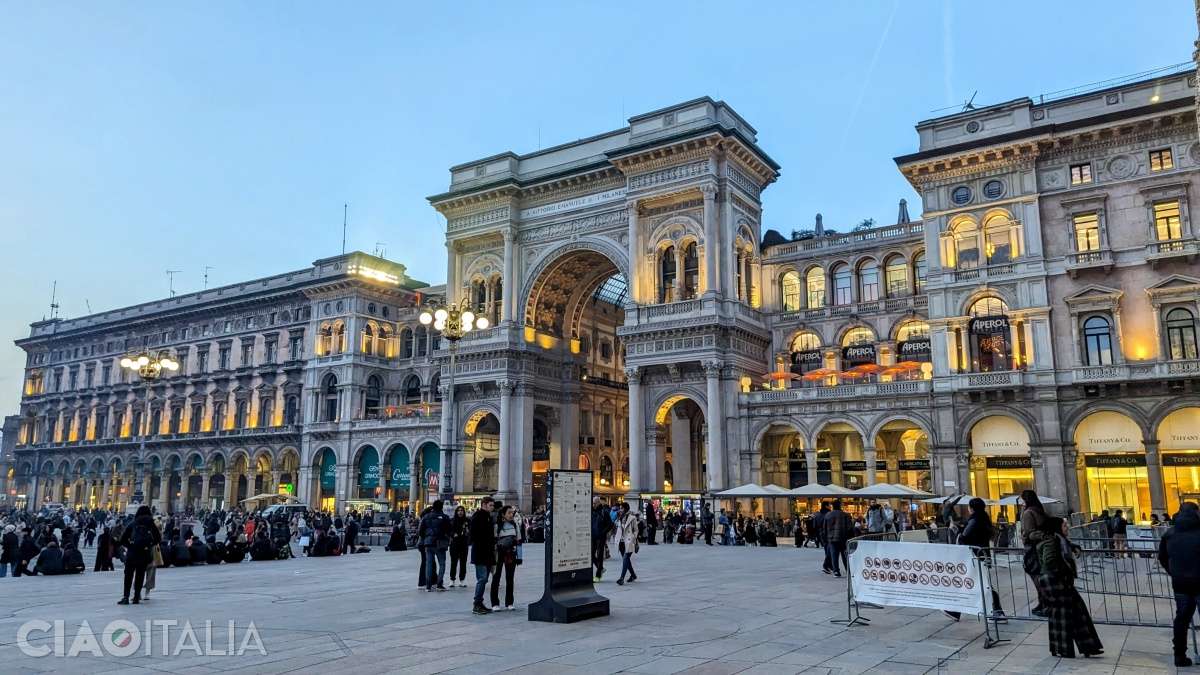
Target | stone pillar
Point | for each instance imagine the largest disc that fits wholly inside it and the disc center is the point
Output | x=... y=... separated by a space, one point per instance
x=505 y=489
x=510 y=276
x=810 y=459
x=714 y=417
x=522 y=467
x=637 y=435
x=568 y=432
x=1158 y=490
x=635 y=291
x=231 y=481
x=656 y=450
x=103 y=492
x=869 y=455
x=1070 y=467
x=205 y=480
x=681 y=450
x=448 y=437
x=452 y=282
x=275 y=480
x=711 y=243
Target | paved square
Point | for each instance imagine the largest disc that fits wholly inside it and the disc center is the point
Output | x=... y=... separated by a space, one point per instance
x=694 y=609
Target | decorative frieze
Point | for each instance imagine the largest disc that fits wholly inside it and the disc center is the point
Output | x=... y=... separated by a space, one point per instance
x=743 y=181
x=589 y=224
x=669 y=175
x=478 y=219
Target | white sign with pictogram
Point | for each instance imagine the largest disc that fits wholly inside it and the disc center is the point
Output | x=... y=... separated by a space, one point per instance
x=932 y=576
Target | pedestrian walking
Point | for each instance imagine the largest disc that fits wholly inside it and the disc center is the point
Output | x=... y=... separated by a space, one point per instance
x=138 y=539
x=1179 y=555
x=460 y=541
x=706 y=523
x=624 y=534
x=1120 y=529
x=979 y=533
x=838 y=527
x=602 y=524
x=482 y=534
x=435 y=534
x=508 y=538
x=1070 y=623
x=651 y=526
x=1032 y=519
x=10 y=551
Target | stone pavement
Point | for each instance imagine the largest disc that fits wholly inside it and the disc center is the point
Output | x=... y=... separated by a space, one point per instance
x=694 y=609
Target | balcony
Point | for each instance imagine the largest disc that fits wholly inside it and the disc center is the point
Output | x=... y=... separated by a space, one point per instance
x=1005 y=378
x=1138 y=370
x=990 y=271
x=1176 y=248
x=841 y=391
x=1081 y=260
x=913 y=302
x=835 y=242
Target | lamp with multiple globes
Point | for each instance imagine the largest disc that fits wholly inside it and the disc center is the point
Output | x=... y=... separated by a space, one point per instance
x=149 y=368
x=453 y=322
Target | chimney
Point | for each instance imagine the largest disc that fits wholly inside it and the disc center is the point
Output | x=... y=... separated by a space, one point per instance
x=903 y=216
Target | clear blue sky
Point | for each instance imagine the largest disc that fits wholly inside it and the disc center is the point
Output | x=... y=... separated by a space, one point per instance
x=141 y=137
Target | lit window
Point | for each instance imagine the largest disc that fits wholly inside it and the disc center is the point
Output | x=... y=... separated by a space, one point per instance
x=868 y=281
x=1166 y=221
x=691 y=271
x=814 y=283
x=1087 y=232
x=1181 y=335
x=1160 y=160
x=919 y=272
x=1081 y=174
x=790 y=291
x=841 y=285
x=896 y=276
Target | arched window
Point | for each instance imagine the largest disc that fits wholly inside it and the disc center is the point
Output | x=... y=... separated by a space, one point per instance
x=919 y=273
x=858 y=348
x=325 y=340
x=241 y=415
x=422 y=341
x=896 y=276
x=585 y=464
x=625 y=471
x=406 y=344
x=330 y=389
x=842 y=294
x=691 y=271
x=998 y=240
x=806 y=353
x=497 y=301
x=479 y=297
x=868 y=281
x=1097 y=342
x=606 y=470
x=789 y=291
x=1181 y=334
x=668 y=475
x=372 y=400
x=266 y=411
x=387 y=343
x=666 y=275
x=412 y=390
x=291 y=410
x=218 y=416
x=989 y=336
x=435 y=387
x=966 y=246
x=339 y=338
x=368 y=340
x=913 y=344
x=814 y=287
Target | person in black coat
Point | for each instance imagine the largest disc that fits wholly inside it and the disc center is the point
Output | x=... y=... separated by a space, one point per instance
x=27 y=552
x=50 y=562
x=199 y=552
x=1179 y=555
x=482 y=536
x=460 y=540
x=10 y=551
x=138 y=539
x=351 y=537
x=72 y=560
x=397 y=541
x=182 y=553
x=216 y=551
x=262 y=549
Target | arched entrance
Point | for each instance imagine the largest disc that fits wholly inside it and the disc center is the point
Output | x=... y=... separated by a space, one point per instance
x=1000 y=463
x=902 y=451
x=215 y=498
x=1179 y=446
x=482 y=453
x=430 y=470
x=1111 y=466
x=572 y=309
x=676 y=446
x=399 y=477
x=325 y=477
x=841 y=458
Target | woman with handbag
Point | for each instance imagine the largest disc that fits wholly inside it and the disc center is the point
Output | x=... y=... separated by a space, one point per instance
x=459 y=545
x=625 y=530
x=156 y=561
x=1070 y=622
x=508 y=538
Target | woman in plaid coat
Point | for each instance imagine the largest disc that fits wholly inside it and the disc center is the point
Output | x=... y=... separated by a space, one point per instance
x=1070 y=622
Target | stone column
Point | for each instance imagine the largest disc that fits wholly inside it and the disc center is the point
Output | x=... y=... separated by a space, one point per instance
x=1158 y=490
x=275 y=481
x=679 y=268
x=810 y=459
x=635 y=291
x=711 y=243
x=716 y=433
x=637 y=434
x=681 y=450
x=869 y=455
x=522 y=466
x=505 y=490
x=103 y=492
x=510 y=275
x=205 y=479
x=448 y=437
x=655 y=452
x=1070 y=468
x=231 y=481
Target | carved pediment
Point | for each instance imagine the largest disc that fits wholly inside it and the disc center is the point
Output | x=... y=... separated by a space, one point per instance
x=1094 y=293
x=1175 y=282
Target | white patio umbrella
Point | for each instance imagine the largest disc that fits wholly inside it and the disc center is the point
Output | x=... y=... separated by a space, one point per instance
x=817 y=491
x=747 y=490
x=962 y=500
x=1015 y=500
x=912 y=491
x=881 y=491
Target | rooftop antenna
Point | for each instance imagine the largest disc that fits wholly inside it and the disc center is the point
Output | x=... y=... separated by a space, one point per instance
x=171 y=281
x=969 y=104
x=89 y=305
x=206 y=269
x=345 y=209
x=380 y=250
x=53 y=303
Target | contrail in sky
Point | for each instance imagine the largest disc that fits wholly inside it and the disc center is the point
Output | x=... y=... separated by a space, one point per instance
x=867 y=78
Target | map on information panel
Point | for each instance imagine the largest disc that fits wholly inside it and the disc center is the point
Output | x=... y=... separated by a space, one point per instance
x=571 y=520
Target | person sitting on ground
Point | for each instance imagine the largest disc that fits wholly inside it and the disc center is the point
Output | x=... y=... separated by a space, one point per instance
x=235 y=551
x=262 y=549
x=182 y=555
x=72 y=560
x=216 y=551
x=50 y=562
x=396 y=542
x=198 y=551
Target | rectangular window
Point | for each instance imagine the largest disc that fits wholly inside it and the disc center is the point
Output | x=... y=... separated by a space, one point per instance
x=296 y=347
x=607 y=429
x=74 y=380
x=585 y=425
x=202 y=362
x=270 y=352
x=1160 y=160
x=89 y=378
x=1087 y=232
x=1166 y=221
x=182 y=359
x=106 y=375
x=247 y=355
x=1081 y=174
x=197 y=419
x=57 y=381
x=223 y=359
x=101 y=425
x=999 y=246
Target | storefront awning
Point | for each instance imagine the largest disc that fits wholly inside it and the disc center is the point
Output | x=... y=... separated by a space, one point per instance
x=754 y=490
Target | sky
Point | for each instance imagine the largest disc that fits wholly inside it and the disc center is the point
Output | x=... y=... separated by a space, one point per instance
x=141 y=137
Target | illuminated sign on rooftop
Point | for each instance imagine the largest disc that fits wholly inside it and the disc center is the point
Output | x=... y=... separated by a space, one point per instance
x=374 y=274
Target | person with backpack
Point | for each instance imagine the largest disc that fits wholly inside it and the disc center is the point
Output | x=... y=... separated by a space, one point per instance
x=138 y=539
x=602 y=524
x=839 y=528
x=482 y=534
x=435 y=533
x=508 y=538
x=1179 y=555
x=1032 y=518
x=1120 y=529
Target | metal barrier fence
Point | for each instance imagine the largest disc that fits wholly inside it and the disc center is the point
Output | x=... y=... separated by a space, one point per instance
x=853 y=616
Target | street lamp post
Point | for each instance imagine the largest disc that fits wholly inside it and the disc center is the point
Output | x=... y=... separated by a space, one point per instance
x=453 y=322
x=150 y=368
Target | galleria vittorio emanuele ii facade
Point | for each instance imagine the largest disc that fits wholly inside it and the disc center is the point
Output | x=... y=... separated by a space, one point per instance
x=1033 y=324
